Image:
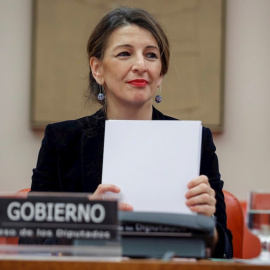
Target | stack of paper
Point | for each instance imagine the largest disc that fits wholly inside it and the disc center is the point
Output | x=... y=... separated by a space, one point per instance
x=152 y=162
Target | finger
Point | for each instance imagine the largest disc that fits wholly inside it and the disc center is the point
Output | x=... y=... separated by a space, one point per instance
x=125 y=206
x=201 y=199
x=105 y=188
x=206 y=210
x=200 y=189
x=198 y=180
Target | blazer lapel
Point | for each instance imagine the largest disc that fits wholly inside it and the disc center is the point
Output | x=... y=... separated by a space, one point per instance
x=157 y=115
x=92 y=144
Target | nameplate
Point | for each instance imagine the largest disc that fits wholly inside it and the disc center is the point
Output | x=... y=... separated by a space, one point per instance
x=61 y=217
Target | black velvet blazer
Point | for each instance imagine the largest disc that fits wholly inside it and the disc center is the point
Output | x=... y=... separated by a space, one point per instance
x=71 y=156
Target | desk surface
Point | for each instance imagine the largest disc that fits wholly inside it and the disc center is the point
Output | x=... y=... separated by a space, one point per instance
x=22 y=264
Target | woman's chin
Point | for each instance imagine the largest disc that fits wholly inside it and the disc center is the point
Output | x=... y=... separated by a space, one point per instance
x=133 y=101
x=140 y=100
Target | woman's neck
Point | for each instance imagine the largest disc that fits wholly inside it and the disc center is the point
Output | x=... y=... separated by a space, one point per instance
x=143 y=112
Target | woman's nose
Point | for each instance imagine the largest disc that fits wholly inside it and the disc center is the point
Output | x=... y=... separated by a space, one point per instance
x=139 y=64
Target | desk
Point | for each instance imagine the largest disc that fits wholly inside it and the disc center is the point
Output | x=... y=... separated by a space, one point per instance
x=19 y=264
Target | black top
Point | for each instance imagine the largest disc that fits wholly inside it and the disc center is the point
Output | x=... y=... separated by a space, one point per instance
x=71 y=156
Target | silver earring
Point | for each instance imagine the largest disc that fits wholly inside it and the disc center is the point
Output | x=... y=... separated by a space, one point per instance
x=101 y=96
x=158 y=97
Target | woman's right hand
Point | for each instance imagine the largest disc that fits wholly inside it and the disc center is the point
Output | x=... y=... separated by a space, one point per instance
x=103 y=188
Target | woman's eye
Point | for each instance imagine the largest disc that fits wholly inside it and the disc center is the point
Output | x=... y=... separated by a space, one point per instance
x=123 y=54
x=151 y=55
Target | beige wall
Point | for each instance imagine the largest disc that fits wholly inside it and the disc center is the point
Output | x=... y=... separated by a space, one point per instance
x=18 y=144
x=243 y=147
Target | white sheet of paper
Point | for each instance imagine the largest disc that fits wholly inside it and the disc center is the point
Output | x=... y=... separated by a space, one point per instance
x=152 y=162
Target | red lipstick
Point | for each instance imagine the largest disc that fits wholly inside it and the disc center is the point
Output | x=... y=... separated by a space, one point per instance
x=138 y=82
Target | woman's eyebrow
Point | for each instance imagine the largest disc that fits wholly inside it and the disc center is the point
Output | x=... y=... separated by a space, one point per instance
x=131 y=46
x=152 y=47
x=123 y=46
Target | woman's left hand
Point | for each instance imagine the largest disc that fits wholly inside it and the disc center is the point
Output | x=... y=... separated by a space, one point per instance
x=200 y=196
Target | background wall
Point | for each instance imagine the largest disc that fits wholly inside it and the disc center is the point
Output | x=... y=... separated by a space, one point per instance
x=243 y=147
x=18 y=144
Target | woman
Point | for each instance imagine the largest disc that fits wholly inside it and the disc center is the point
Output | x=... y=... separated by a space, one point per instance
x=128 y=56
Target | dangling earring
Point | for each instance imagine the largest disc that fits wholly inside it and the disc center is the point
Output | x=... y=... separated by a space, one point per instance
x=158 y=97
x=101 y=96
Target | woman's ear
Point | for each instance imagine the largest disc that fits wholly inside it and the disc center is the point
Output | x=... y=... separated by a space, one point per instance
x=95 y=65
